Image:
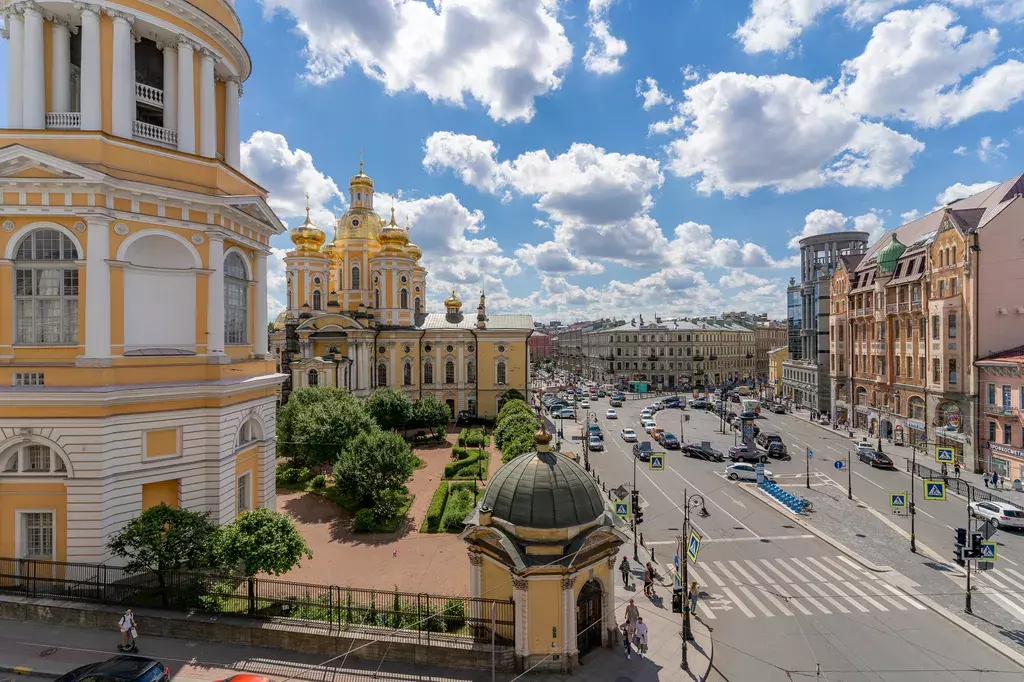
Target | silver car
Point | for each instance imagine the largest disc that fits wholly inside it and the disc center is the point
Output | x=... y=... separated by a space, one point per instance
x=1001 y=514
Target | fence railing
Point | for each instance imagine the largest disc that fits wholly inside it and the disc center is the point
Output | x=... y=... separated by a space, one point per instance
x=961 y=487
x=423 y=617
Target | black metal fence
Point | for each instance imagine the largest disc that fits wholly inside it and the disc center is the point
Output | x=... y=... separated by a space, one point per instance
x=961 y=487
x=425 y=617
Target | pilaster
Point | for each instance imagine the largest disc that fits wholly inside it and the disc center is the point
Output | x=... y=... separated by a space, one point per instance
x=97 y=291
x=519 y=597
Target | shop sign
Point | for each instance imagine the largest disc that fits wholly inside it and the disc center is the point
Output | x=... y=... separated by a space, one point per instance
x=916 y=424
x=1005 y=450
x=953 y=418
x=950 y=435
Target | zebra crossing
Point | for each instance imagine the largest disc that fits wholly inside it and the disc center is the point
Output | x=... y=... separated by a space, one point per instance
x=1002 y=585
x=793 y=585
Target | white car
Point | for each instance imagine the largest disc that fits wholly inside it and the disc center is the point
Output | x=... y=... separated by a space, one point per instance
x=646 y=413
x=611 y=414
x=745 y=472
x=864 y=445
x=584 y=404
x=628 y=435
x=1001 y=514
x=648 y=424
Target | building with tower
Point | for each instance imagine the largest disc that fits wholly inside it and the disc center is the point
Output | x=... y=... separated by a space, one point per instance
x=356 y=318
x=133 y=275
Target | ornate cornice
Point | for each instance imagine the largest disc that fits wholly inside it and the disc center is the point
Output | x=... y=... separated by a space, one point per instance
x=519 y=584
x=475 y=558
x=207 y=53
x=87 y=7
x=117 y=14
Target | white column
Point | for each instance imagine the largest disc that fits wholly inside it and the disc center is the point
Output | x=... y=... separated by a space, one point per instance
x=33 y=81
x=91 y=103
x=170 y=86
x=97 y=288
x=232 y=139
x=207 y=106
x=186 y=98
x=15 y=51
x=215 y=299
x=60 y=85
x=122 y=78
x=260 y=343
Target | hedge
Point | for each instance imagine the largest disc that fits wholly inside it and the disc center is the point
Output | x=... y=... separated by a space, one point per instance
x=436 y=509
x=461 y=499
x=453 y=468
x=472 y=438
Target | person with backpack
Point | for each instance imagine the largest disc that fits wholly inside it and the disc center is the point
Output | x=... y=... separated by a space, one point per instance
x=126 y=624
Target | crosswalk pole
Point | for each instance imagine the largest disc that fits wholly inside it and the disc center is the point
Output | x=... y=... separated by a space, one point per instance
x=684 y=560
x=807 y=481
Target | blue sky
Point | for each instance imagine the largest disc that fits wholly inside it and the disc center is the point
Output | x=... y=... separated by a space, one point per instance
x=530 y=153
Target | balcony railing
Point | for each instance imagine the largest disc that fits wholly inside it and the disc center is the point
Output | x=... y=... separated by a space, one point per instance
x=916 y=306
x=148 y=131
x=1001 y=411
x=149 y=95
x=904 y=306
x=64 y=120
x=891 y=308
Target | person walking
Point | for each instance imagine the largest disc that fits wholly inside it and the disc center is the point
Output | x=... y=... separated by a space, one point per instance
x=632 y=613
x=627 y=637
x=956 y=470
x=648 y=581
x=694 y=595
x=126 y=624
x=641 y=637
x=995 y=479
x=985 y=478
x=624 y=568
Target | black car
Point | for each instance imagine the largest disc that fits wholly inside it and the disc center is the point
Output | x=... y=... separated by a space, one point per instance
x=779 y=408
x=700 y=452
x=742 y=454
x=777 y=450
x=875 y=459
x=120 y=669
x=643 y=451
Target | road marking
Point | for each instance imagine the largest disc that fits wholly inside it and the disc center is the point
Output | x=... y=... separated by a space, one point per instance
x=857 y=591
x=995 y=581
x=766 y=593
x=711 y=500
x=746 y=612
x=711 y=574
x=855 y=565
x=898 y=593
x=725 y=571
x=1013 y=572
x=834 y=564
x=792 y=602
x=762 y=538
x=877 y=591
x=760 y=607
x=824 y=595
x=810 y=571
x=735 y=500
x=813 y=602
x=832 y=574
x=768 y=565
x=799 y=576
x=750 y=580
x=1009 y=560
x=855 y=473
x=840 y=593
x=922 y=511
x=756 y=569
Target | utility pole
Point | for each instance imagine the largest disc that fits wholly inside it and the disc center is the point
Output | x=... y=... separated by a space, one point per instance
x=636 y=501
x=849 y=475
x=913 y=509
x=688 y=502
x=807 y=469
x=967 y=562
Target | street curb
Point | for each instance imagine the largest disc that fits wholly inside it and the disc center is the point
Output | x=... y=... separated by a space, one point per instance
x=24 y=670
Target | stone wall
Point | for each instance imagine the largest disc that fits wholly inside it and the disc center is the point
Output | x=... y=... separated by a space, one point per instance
x=312 y=638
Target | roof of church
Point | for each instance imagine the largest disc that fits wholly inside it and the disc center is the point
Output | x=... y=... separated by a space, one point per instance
x=461 y=321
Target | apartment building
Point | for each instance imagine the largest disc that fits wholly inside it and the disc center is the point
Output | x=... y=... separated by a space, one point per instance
x=1002 y=412
x=768 y=336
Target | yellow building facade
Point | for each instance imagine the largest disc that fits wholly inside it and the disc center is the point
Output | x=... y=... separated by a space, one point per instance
x=776 y=357
x=356 y=318
x=134 y=362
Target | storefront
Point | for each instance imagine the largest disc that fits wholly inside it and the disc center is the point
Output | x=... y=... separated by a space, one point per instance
x=861 y=417
x=1006 y=460
x=915 y=432
x=950 y=435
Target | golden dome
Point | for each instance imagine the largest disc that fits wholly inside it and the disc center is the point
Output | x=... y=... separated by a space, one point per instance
x=392 y=235
x=330 y=249
x=360 y=179
x=414 y=251
x=452 y=304
x=307 y=236
x=280 y=320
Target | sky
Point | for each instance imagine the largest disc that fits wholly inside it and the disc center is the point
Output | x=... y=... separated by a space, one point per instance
x=613 y=157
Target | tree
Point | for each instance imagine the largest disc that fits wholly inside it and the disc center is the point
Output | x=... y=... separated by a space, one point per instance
x=373 y=462
x=512 y=407
x=518 y=422
x=163 y=539
x=262 y=541
x=512 y=394
x=432 y=413
x=390 y=408
x=317 y=422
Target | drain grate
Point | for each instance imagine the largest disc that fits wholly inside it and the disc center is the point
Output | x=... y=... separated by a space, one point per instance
x=48 y=652
x=766 y=541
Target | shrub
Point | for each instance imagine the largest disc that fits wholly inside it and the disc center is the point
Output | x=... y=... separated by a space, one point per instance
x=365 y=520
x=387 y=504
x=319 y=482
x=433 y=518
x=460 y=502
x=453 y=468
x=454 y=615
x=459 y=452
x=472 y=438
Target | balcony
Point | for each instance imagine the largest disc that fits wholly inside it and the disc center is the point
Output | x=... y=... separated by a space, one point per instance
x=1002 y=411
x=917 y=306
x=147 y=94
x=64 y=120
x=878 y=346
x=152 y=133
x=904 y=306
x=891 y=308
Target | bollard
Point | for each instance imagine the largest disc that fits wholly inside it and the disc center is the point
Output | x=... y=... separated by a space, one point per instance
x=642 y=539
x=652 y=555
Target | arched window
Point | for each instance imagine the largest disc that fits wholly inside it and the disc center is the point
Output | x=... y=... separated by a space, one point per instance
x=416 y=304
x=471 y=372
x=317 y=298
x=407 y=374
x=236 y=300
x=356 y=284
x=428 y=372
x=290 y=297
x=46 y=289
x=500 y=373
x=382 y=374
x=32 y=458
x=376 y=299
x=404 y=299
x=312 y=378
x=915 y=408
x=449 y=372
x=249 y=432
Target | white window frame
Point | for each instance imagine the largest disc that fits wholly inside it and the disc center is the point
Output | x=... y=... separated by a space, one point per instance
x=428 y=365
x=310 y=373
x=247 y=428
x=67 y=275
x=449 y=363
x=235 y=284
x=498 y=379
x=19 y=533
x=245 y=478
x=20 y=451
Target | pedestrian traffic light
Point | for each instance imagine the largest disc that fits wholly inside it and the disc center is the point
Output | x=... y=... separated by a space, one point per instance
x=961 y=536
x=677 y=600
x=975 y=550
x=638 y=516
x=959 y=545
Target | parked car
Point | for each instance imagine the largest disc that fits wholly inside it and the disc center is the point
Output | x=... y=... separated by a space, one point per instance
x=875 y=459
x=778 y=408
x=669 y=441
x=766 y=437
x=864 y=445
x=595 y=430
x=740 y=453
x=697 y=451
x=628 y=435
x=700 y=404
x=643 y=451
x=120 y=669
x=648 y=425
x=566 y=413
x=745 y=472
x=1001 y=514
x=777 y=450
x=595 y=443
x=611 y=414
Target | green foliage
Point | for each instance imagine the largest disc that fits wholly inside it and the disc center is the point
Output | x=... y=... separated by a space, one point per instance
x=518 y=444
x=390 y=408
x=512 y=407
x=317 y=422
x=365 y=521
x=291 y=476
x=454 y=615
x=373 y=461
x=318 y=482
x=461 y=498
x=163 y=539
x=431 y=413
x=511 y=394
x=472 y=438
x=262 y=541
x=432 y=521
x=513 y=426
x=471 y=466
x=387 y=504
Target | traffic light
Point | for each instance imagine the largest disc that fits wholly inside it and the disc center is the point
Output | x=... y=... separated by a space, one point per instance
x=677 y=600
x=975 y=550
x=959 y=545
x=638 y=514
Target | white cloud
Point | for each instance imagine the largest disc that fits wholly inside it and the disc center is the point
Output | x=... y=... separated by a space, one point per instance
x=916 y=67
x=804 y=138
x=276 y=291
x=996 y=10
x=961 y=191
x=552 y=258
x=474 y=159
x=288 y=175
x=908 y=216
x=604 y=50
x=737 y=279
x=502 y=53
x=988 y=150
x=693 y=244
x=652 y=94
x=774 y=24
x=822 y=221
x=870 y=223
x=960 y=151
x=690 y=73
x=672 y=125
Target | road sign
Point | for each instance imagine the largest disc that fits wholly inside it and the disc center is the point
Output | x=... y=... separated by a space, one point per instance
x=897 y=500
x=657 y=462
x=987 y=529
x=693 y=546
x=838 y=464
x=810 y=453
x=620 y=492
x=934 y=490
x=622 y=508
x=686 y=417
x=944 y=455
x=988 y=552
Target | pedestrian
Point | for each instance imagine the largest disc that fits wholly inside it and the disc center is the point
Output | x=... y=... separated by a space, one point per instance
x=648 y=580
x=945 y=474
x=627 y=637
x=956 y=470
x=985 y=478
x=641 y=637
x=995 y=479
x=694 y=594
x=126 y=624
x=624 y=567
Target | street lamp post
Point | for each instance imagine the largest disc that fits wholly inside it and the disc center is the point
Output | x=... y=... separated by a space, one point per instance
x=636 y=553
x=689 y=502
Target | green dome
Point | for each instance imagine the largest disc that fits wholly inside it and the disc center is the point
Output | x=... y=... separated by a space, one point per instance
x=888 y=256
x=544 y=490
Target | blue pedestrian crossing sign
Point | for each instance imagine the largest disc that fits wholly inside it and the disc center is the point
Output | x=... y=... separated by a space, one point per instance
x=944 y=455
x=988 y=551
x=657 y=462
x=810 y=453
x=693 y=546
x=622 y=509
x=897 y=500
x=934 y=490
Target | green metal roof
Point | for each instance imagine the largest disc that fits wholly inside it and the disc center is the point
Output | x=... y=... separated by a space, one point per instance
x=889 y=254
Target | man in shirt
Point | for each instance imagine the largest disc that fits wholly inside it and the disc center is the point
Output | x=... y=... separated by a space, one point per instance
x=641 y=637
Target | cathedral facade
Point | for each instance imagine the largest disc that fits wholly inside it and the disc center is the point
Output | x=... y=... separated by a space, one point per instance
x=356 y=319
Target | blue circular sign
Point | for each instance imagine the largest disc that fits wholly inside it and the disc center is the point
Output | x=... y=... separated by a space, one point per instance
x=838 y=464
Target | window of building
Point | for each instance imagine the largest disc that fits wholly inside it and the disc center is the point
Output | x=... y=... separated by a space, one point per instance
x=46 y=289
x=896 y=365
x=416 y=305
x=376 y=299
x=382 y=374
x=37 y=533
x=618 y=365
x=881 y=364
x=842 y=363
x=1008 y=434
x=936 y=371
x=32 y=458
x=954 y=284
x=471 y=372
x=236 y=300
x=992 y=431
x=992 y=394
x=896 y=324
x=935 y=327
x=942 y=288
x=499 y=373
x=921 y=366
x=952 y=326
x=243 y=492
x=403 y=297
x=428 y=372
x=317 y=300
x=248 y=433
x=952 y=370
x=312 y=378
x=449 y=372
x=922 y=326
x=910 y=368
x=407 y=374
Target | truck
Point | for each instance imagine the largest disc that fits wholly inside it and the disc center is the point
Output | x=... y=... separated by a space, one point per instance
x=751 y=405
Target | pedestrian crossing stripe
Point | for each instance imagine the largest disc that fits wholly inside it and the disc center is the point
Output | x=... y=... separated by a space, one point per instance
x=934 y=490
x=944 y=454
x=768 y=588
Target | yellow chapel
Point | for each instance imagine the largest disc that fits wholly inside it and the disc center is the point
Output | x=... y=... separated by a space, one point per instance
x=356 y=318
x=134 y=358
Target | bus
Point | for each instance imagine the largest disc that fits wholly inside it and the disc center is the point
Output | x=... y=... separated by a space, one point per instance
x=751 y=405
